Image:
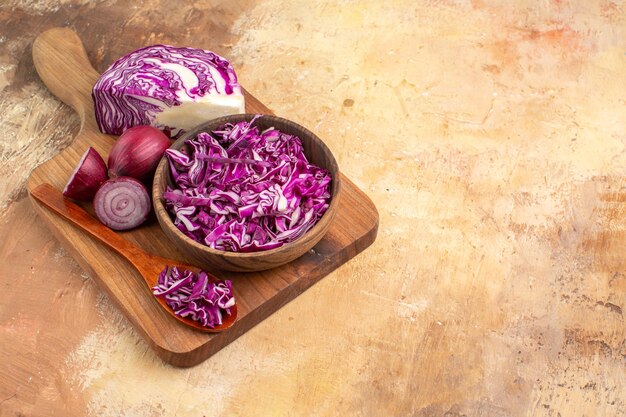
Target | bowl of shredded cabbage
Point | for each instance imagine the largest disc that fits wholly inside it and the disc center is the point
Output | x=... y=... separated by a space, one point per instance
x=246 y=192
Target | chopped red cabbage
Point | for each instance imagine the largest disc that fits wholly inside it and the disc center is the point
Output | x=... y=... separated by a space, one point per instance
x=242 y=190
x=195 y=296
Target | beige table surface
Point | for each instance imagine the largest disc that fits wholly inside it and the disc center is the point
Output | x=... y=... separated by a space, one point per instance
x=491 y=136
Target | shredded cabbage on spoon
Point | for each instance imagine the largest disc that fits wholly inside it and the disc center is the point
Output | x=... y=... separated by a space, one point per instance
x=242 y=190
x=195 y=296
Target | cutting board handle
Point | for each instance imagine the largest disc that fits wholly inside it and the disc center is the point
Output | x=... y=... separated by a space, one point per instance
x=62 y=63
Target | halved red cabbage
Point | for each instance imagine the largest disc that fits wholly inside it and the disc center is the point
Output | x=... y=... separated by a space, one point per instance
x=242 y=190
x=171 y=88
x=195 y=296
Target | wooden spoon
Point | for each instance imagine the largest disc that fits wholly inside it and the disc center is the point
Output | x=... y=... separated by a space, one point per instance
x=149 y=266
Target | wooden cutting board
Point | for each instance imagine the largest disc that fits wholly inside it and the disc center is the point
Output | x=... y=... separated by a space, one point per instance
x=62 y=64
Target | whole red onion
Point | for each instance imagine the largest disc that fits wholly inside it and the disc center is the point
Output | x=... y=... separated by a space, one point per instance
x=137 y=152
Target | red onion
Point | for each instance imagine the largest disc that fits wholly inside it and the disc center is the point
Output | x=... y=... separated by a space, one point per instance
x=137 y=152
x=87 y=177
x=122 y=203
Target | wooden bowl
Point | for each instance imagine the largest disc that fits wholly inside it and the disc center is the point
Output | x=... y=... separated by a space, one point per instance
x=317 y=153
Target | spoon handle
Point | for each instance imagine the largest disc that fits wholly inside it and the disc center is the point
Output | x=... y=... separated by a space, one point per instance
x=54 y=200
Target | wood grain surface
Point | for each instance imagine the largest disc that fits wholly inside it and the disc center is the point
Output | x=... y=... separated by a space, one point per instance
x=58 y=54
x=490 y=136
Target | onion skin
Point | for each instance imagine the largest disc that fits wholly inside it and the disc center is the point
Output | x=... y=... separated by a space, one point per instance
x=87 y=177
x=122 y=203
x=137 y=152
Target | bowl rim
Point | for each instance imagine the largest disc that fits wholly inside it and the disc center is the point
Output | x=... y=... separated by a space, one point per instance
x=162 y=213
